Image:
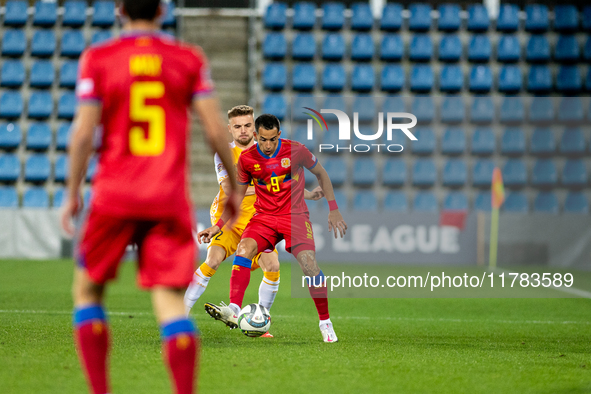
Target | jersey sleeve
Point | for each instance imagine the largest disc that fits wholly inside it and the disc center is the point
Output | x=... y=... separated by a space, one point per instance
x=220 y=169
x=243 y=177
x=305 y=157
x=87 y=84
x=203 y=85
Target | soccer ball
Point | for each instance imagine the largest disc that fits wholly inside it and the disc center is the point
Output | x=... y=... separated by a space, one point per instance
x=254 y=320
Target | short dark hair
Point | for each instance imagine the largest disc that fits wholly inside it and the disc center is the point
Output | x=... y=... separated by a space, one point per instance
x=267 y=122
x=141 y=9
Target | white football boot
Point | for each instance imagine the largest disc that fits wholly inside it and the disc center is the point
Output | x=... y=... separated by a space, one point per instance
x=223 y=313
x=328 y=334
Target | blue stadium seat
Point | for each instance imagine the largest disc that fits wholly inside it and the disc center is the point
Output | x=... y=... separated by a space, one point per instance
x=58 y=197
x=39 y=136
x=62 y=138
x=68 y=74
x=45 y=13
x=10 y=136
x=299 y=103
x=453 y=141
x=572 y=142
x=508 y=19
x=426 y=141
x=303 y=77
x=512 y=110
x=391 y=17
x=40 y=105
x=363 y=78
x=449 y=17
x=543 y=142
x=480 y=79
x=334 y=77
x=425 y=202
x=335 y=101
x=510 y=79
x=450 y=48
x=513 y=142
x=42 y=74
x=508 y=49
x=570 y=110
x=478 y=19
x=536 y=18
x=483 y=141
x=587 y=48
x=36 y=197
x=479 y=48
x=8 y=197
x=275 y=16
x=304 y=17
x=333 y=47
x=452 y=109
x=364 y=172
x=74 y=13
x=576 y=202
x=423 y=108
x=72 y=43
x=451 y=78
x=566 y=18
x=66 y=106
x=421 y=48
x=515 y=173
x=101 y=36
x=169 y=19
x=91 y=170
x=544 y=173
x=303 y=46
x=391 y=48
x=420 y=17
x=539 y=79
x=365 y=201
x=104 y=14
x=13 y=74
x=14 y=42
x=482 y=202
x=455 y=201
x=37 y=168
x=421 y=78
x=362 y=19
x=365 y=107
x=274 y=76
x=394 y=173
x=537 y=49
x=586 y=18
x=541 y=110
x=10 y=167
x=11 y=105
x=546 y=202
x=362 y=47
x=588 y=80
x=567 y=49
x=396 y=201
x=482 y=172
x=15 y=13
x=300 y=134
x=43 y=43
x=574 y=173
x=424 y=173
x=516 y=202
x=392 y=78
x=337 y=170
x=455 y=173
x=333 y=16
x=394 y=104
x=275 y=104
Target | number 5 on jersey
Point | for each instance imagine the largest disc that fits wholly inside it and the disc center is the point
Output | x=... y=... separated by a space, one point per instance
x=153 y=144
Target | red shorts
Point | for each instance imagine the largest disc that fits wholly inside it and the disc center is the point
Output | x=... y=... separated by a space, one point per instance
x=268 y=230
x=166 y=248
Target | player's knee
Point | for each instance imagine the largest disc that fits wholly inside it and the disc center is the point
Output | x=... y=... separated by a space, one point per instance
x=213 y=263
x=86 y=292
x=269 y=264
x=247 y=249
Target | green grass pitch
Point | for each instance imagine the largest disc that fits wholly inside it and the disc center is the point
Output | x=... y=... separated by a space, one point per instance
x=385 y=345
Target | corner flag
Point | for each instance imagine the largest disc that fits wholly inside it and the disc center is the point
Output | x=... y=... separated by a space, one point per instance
x=497 y=198
x=498 y=191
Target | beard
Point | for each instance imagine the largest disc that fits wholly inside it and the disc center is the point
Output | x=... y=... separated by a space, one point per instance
x=244 y=140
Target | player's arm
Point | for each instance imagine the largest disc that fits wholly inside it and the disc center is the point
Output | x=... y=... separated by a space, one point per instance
x=313 y=195
x=225 y=184
x=206 y=235
x=335 y=219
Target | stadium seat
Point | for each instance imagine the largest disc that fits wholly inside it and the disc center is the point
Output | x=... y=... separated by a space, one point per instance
x=543 y=142
x=37 y=168
x=303 y=77
x=483 y=141
x=539 y=79
x=394 y=104
x=333 y=47
x=68 y=74
x=74 y=13
x=92 y=167
x=576 y=202
x=101 y=36
x=574 y=173
x=66 y=106
x=391 y=48
x=508 y=19
x=515 y=173
x=513 y=142
x=587 y=49
x=40 y=105
x=62 y=138
x=425 y=202
x=275 y=16
x=14 y=42
x=10 y=167
x=396 y=201
x=169 y=19
x=392 y=78
x=480 y=79
x=567 y=49
x=337 y=170
x=304 y=17
x=8 y=197
x=10 y=136
x=421 y=48
x=43 y=43
x=394 y=173
x=453 y=141
x=508 y=49
x=362 y=19
x=512 y=110
x=423 y=108
x=365 y=201
x=482 y=202
x=362 y=78
x=11 y=105
x=479 y=48
x=455 y=201
x=482 y=172
x=449 y=17
x=35 y=197
x=72 y=43
x=299 y=103
x=103 y=14
x=452 y=110
x=334 y=77
x=42 y=74
x=451 y=79
x=365 y=107
x=331 y=136
x=588 y=80
x=15 y=13
x=303 y=46
x=566 y=18
x=536 y=18
x=454 y=173
x=546 y=202
x=333 y=16
x=510 y=79
x=544 y=173
x=13 y=74
x=570 y=110
x=39 y=136
x=300 y=134
x=275 y=104
x=426 y=141
x=420 y=17
x=362 y=47
x=391 y=17
x=58 y=197
x=450 y=48
x=364 y=172
x=572 y=142
x=274 y=76
x=586 y=18
x=541 y=110
x=516 y=202
x=45 y=13
x=424 y=173
x=478 y=19
x=335 y=101
x=537 y=49
x=421 y=78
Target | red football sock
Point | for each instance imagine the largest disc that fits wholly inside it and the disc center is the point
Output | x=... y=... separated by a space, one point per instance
x=320 y=297
x=92 y=342
x=181 y=353
x=239 y=281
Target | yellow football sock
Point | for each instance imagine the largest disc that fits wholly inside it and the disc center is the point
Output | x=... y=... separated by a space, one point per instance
x=207 y=270
x=272 y=276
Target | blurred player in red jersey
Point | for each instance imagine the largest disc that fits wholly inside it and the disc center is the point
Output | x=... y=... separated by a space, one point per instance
x=139 y=87
x=277 y=168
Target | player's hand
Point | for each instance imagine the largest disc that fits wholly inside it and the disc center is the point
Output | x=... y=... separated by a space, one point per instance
x=206 y=235
x=336 y=221
x=70 y=210
x=314 y=195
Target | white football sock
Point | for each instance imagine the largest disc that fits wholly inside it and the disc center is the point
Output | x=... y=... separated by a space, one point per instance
x=235 y=308
x=327 y=321
x=267 y=292
x=196 y=288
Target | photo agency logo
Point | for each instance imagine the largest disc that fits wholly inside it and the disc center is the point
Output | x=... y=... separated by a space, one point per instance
x=370 y=141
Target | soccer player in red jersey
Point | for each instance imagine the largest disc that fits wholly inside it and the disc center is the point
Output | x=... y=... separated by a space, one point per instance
x=139 y=87
x=277 y=168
